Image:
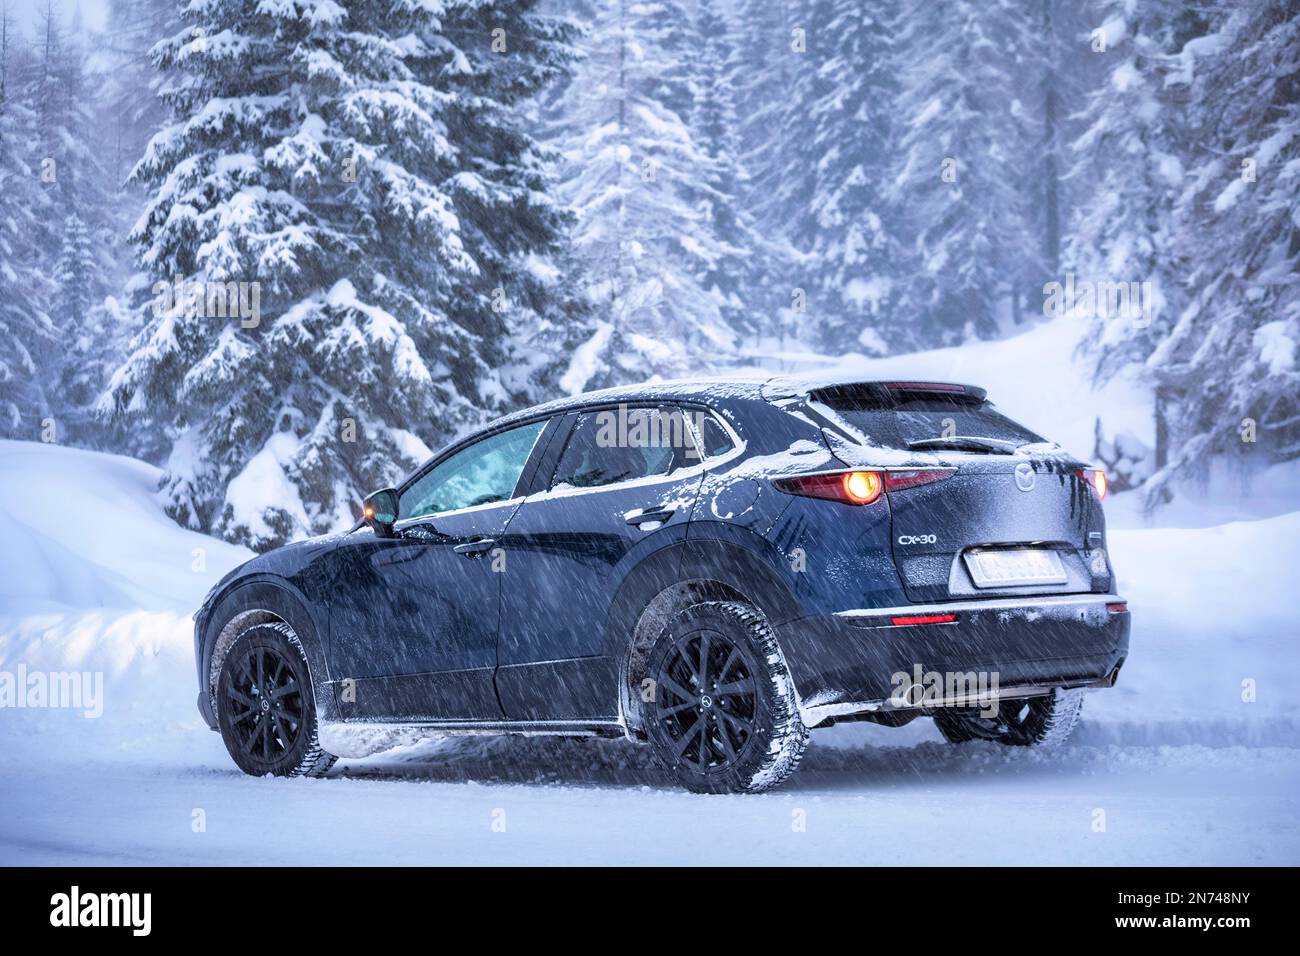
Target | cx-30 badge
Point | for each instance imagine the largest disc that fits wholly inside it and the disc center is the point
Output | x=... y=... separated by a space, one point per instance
x=1025 y=476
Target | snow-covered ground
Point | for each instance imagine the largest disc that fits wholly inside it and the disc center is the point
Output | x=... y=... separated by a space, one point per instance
x=1192 y=759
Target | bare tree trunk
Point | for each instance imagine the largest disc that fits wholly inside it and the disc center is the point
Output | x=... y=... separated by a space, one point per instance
x=1162 y=402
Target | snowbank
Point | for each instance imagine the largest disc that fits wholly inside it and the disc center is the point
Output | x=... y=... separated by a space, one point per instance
x=81 y=530
x=95 y=579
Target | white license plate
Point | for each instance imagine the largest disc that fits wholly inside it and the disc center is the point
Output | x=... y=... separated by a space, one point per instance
x=1009 y=567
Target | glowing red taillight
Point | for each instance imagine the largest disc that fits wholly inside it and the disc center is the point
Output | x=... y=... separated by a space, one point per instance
x=1096 y=478
x=907 y=619
x=1117 y=607
x=860 y=487
x=850 y=487
x=902 y=480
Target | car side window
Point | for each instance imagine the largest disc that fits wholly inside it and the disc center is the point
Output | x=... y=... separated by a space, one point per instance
x=623 y=444
x=715 y=438
x=485 y=472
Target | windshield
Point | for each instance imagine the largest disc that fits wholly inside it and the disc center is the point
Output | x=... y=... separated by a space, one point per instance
x=900 y=419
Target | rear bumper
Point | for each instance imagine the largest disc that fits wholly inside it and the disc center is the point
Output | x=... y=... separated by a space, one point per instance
x=859 y=662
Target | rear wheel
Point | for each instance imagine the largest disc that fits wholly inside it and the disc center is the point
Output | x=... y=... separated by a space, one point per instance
x=724 y=717
x=266 y=707
x=1031 y=721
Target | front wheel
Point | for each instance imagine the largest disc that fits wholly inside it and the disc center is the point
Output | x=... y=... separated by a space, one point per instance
x=1032 y=721
x=724 y=717
x=266 y=706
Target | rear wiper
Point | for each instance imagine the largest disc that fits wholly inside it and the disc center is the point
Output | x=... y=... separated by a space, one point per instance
x=994 y=446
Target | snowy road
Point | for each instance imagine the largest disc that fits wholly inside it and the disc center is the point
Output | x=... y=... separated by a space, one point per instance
x=587 y=802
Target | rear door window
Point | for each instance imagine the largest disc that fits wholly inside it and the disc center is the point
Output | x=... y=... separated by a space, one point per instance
x=608 y=446
x=716 y=439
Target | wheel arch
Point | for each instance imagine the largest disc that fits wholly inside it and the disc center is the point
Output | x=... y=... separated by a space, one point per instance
x=257 y=602
x=677 y=577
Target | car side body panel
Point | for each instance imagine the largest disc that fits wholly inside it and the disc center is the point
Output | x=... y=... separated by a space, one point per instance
x=413 y=626
x=564 y=554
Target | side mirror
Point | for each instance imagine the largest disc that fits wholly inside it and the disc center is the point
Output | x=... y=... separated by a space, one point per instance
x=379 y=511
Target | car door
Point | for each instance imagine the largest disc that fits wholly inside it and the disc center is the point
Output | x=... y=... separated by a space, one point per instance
x=618 y=491
x=415 y=619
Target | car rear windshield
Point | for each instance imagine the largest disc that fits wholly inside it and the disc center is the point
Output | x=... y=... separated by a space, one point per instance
x=894 y=419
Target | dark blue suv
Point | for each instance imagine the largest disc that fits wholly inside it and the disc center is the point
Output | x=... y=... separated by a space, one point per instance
x=711 y=567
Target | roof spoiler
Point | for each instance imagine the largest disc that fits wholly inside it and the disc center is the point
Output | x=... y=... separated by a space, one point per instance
x=857 y=391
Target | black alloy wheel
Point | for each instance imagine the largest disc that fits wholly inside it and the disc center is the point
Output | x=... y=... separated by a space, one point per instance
x=707 y=700
x=723 y=717
x=265 y=705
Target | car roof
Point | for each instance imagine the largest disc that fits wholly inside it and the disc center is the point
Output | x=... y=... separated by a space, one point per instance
x=705 y=391
x=711 y=392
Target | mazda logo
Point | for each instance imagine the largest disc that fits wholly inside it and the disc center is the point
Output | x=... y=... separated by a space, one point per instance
x=1025 y=476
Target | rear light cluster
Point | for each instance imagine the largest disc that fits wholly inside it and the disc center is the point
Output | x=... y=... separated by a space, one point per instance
x=1096 y=478
x=860 y=487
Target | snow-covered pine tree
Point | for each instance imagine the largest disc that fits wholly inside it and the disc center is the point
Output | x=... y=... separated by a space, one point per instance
x=73 y=176
x=27 y=336
x=630 y=167
x=1131 y=152
x=132 y=109
x=1230 y=359
x=70 y=237
x=773 y=78
x=130 y=112
x=528 y=281
x=817 y=86
x=852 y=233
x=24 y=328
x=736 y=277
x=74 y=273
x=1066 y=70
x=348 y=194
x=93 y=335
x=964 y=70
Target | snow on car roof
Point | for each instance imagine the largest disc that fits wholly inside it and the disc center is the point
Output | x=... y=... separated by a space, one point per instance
x=706 y=390
x=710 y=390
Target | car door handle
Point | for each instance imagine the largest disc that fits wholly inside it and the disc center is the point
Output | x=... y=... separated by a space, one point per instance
x=654 y=514
x=472 y=549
